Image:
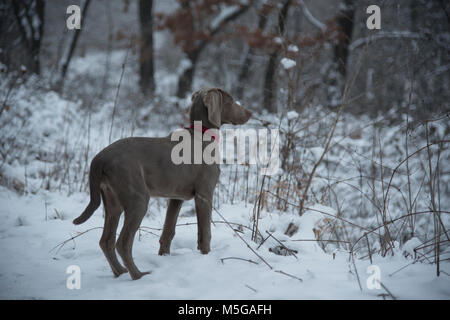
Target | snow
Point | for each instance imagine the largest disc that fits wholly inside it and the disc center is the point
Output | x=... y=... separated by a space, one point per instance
x=278 y=40
x=291 y=115
x=410 y=245
x=292 y=48
x=46 y=137
x=288 y=63
x=32 y=268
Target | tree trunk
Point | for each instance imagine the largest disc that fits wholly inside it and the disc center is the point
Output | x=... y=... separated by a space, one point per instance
x=270 y=87
x=147 y=80
x=21 y=31
x=345 y=22
x=187 y=77
x=248 y=61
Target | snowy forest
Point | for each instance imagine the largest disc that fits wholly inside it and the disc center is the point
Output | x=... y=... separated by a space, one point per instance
x=358 y=90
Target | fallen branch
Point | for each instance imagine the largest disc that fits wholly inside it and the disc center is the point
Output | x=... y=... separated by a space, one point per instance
x=321 y=240
x=62 y=244
x=281 y=244
x=248 y=246
x=387 y=290
x=195 y=223
x=237 y=258
x=240 y=237
x=254 y=290
x=289 y=275
x=411 y=263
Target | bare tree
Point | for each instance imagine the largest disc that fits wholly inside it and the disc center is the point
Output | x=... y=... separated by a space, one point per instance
x=344 y=20
x=411 y=43
x=195 y=25
x=269 y=91
x=21 y=30
x=248 y=60
x=147 y=80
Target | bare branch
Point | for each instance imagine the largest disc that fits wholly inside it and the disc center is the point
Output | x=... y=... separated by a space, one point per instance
x=315 y=22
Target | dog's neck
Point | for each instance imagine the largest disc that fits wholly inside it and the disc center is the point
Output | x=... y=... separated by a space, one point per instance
x=215 y=135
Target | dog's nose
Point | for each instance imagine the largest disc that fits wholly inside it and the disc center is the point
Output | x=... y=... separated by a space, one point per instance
x=248 y=113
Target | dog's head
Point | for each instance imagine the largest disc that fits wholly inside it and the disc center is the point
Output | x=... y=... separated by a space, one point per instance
x=220 y=107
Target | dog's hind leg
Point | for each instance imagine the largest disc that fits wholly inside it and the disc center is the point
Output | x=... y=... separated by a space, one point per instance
x=113 y=211
x=134 y=213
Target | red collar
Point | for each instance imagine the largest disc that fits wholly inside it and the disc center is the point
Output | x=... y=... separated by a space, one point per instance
x=207 y=130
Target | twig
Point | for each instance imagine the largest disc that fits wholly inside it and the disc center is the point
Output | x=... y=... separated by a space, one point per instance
x=387 y=290
x=329 y=139
x=411 y=263
x=117 y=93
x=256 y=212
x=195 y=223
x=57 y=214
x=401 y=163
x=146 y=231
x=254 y=290
x=289 y=275
x=356 y=270
x=423 y=246
x=240 y=237
x=248 y=246
x=321 y=240
x=262 y=242
x=11 y=87
x=368 y=248
x=394 y=220
x=323 y=212
x=289 y=250
x=62 y=244
x=236 y=258
x=313 y=20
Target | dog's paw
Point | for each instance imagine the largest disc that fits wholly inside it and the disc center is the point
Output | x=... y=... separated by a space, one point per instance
x=204 y=249
x=137 y=276
x=119 y=272
x=164 y=252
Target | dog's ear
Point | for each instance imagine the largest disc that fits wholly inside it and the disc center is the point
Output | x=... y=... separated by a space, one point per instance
x=213 y=101
x=194 y=95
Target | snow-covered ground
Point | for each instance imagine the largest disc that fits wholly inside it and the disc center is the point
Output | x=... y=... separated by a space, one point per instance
x=33 y=266
x=47 y=141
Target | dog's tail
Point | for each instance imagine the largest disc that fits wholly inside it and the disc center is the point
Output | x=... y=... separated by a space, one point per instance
x=95 y=175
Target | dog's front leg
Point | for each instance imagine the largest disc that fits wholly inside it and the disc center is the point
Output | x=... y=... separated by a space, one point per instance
x=203 y=208
x=168 y=233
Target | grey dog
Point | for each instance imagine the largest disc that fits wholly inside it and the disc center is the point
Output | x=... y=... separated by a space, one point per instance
x=130 y=171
